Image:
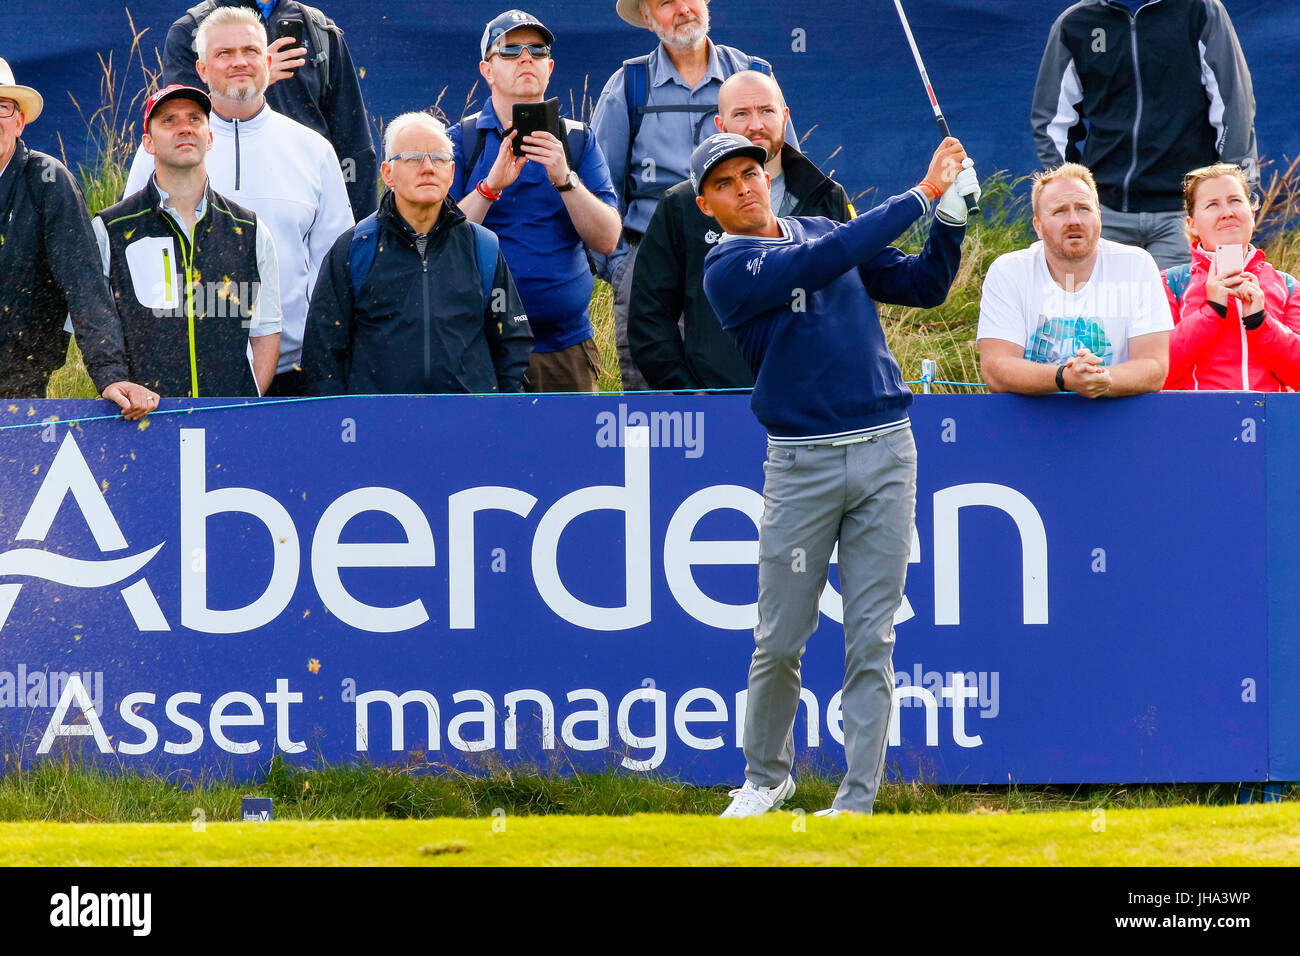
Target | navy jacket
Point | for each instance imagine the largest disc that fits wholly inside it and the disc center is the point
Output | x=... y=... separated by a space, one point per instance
x=669 y=282
x=800 y=308
x=340 y=116
x=48 y=269
x=417 y=324
x=1143 y=97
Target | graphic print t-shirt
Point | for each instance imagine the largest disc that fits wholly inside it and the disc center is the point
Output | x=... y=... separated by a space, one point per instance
x=1123 y=298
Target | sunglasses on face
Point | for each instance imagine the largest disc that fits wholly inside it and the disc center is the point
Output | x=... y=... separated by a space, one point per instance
x=415 y=158
x=511 y=51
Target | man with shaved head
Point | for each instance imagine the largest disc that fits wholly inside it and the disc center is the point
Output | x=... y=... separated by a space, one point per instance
x=673 y=333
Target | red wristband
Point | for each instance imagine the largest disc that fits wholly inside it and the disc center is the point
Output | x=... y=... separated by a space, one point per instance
x=935 y=191
x=486 y=193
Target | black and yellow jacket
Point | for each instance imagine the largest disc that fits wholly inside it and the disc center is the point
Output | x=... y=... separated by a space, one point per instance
x=188 y=304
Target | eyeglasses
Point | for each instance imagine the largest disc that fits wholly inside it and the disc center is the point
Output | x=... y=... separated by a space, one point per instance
x=8 y=108
x=511 y=51
x=414 y=157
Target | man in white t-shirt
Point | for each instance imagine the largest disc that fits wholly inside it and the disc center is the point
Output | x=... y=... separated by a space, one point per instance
x=1073 y=312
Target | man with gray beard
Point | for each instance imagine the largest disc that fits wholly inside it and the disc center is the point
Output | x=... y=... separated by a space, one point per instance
x=649 y=118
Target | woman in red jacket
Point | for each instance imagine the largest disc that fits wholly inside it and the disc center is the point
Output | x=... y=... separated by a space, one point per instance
x=1236 y=318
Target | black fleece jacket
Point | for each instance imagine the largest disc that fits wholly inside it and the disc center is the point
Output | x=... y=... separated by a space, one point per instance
x=49 y=268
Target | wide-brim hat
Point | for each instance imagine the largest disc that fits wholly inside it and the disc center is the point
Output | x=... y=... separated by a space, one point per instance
x=28 y=100
x=630 y=11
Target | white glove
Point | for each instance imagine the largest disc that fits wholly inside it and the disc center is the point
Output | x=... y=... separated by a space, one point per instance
x=952 y=204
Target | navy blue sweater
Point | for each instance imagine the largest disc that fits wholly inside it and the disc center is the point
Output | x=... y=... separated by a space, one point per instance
x=800 y=309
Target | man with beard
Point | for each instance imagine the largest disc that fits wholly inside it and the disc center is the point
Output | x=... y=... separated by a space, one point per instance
x=650 y=116
x=668 y=281
x=1073 y=312
x=314 y=82
x=278 y=168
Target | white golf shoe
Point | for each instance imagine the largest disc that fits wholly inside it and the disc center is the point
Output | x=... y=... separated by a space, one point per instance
x=752 y=801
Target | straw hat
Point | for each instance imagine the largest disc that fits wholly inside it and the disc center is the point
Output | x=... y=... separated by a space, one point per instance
x=29 y=101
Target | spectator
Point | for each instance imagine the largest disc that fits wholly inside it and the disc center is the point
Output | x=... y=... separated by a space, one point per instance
x=543 y=205
x=651 y=114
x=669 y=273
x=416 y=298
x=1073 y=312
x=315 y=84
x=45 y=242
x=796 y=295
x=187 y=332
x=1151 y=89
x=268 y=163
x=1236 y=318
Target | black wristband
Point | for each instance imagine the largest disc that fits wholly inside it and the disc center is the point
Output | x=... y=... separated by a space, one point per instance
x=1060 y=378
x=1220 y=310
x=1253 y=321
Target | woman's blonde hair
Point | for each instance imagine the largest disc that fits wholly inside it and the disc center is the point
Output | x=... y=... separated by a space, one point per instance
x=1193 y=180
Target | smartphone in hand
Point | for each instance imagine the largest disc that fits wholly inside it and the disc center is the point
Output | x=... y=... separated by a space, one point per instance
x=289 y=28
x=1228 y=258
x=531 y=118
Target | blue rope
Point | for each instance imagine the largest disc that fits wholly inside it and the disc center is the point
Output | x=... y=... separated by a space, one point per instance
x=322 y=398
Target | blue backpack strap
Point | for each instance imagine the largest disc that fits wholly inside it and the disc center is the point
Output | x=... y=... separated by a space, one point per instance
x=575 y=142
x=361 y=251
x=1290 y=284
x=636 y=89
x=760 y=64
x=1177 y=279
x=486 y=247
x=469 y=128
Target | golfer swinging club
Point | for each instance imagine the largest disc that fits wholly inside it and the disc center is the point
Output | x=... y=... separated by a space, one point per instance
x=796 y=296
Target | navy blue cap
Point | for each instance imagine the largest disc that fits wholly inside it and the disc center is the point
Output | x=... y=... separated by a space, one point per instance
x=719 y=148
x=503 y=23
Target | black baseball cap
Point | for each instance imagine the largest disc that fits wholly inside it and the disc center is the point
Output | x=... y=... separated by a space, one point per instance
x=719 y=148
x=174 y=92
x=503 y=23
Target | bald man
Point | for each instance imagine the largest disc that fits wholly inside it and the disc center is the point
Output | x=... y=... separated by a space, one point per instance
x=673 y=333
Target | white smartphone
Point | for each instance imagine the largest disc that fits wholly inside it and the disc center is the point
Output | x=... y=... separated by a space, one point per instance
x=1229 y=258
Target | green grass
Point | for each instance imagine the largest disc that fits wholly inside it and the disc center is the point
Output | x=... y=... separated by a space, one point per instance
x=1186 y=836
x=68 y=792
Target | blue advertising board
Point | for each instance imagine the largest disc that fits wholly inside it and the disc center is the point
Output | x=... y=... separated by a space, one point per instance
x=570 y=582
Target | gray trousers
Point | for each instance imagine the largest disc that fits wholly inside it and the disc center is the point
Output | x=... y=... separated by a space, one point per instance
x=1159 y=233
x=864 y=495
x=621 y=281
